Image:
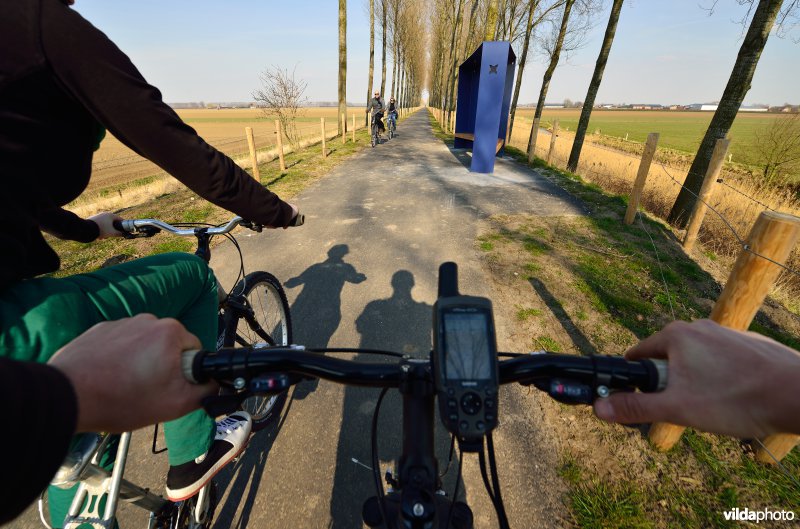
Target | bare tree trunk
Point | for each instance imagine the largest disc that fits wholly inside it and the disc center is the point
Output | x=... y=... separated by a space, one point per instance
x=394 y=73
x=342 y=65
x=396 y=51
x=371 y=56
x=402 y=80
x=594 y=86
x=491 y=19
x=502 y=22
x=523 y=59
x=732 y=97
x=454 y=64
x=383 y=48
x=473 y=15
x=548 y=74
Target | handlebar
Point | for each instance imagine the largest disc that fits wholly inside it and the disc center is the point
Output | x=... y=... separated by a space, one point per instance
x=600 y=374
x=149 y=227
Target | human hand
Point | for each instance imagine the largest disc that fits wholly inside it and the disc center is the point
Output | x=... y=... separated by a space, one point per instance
x=127 y=373
x=105 y=221
x=729 y=382
x=295 y=212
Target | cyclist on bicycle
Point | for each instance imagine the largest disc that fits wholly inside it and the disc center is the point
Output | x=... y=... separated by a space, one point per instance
x=376 y=108
x=63 y=86
x=392 y=112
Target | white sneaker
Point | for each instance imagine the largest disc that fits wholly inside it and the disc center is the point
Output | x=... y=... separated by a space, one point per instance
x=186 y=480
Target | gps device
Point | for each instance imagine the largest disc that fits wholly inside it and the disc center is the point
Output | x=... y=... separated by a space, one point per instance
x=464 y=363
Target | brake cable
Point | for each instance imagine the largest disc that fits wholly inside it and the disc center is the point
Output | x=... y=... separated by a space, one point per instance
x=376 y=470
x=458 y=480
x=495 y=496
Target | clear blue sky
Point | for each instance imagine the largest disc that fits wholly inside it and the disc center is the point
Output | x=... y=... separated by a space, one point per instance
x=664 y=52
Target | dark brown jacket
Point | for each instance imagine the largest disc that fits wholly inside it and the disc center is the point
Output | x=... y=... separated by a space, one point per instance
x=61 y=82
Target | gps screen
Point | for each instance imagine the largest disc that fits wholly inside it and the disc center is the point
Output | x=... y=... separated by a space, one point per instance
x=466 y=346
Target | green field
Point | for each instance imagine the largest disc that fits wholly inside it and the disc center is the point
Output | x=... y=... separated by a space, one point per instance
x=679 y=130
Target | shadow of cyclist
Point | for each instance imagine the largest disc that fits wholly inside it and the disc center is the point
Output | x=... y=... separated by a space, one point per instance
x=399 y=324
x=243 y=478
x=316 y=313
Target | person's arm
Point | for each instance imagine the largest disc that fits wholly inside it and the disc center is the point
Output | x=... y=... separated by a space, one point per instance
x=37 y=400
x=102 y=78
x=67 y=225
x=115 y=377
x=734 y=383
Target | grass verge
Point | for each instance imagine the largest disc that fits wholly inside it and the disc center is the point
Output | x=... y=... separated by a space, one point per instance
x=593 y=285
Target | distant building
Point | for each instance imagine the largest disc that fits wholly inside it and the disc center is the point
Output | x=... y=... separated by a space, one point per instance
x=754 y=108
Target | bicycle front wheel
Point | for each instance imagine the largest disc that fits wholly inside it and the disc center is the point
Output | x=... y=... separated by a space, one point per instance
x=266 y=321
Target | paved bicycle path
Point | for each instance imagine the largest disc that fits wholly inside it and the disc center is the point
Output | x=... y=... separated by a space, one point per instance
x=362 y=272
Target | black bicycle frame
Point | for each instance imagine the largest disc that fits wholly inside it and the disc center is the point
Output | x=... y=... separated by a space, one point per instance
x=234 y=306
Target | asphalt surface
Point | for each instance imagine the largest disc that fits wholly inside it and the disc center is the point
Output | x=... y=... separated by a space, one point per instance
x=362 y=273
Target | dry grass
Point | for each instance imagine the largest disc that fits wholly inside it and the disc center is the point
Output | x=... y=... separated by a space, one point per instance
x=123 y=178
x=721 y=232
x=115 y=165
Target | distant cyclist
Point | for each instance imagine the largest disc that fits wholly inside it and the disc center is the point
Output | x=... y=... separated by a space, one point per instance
x=392 y=114
x=376 y=107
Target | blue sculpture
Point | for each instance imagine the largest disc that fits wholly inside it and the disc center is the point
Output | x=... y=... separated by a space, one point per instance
x=484 y=98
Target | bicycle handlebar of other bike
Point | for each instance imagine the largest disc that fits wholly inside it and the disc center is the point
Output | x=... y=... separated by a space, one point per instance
x=149 y=227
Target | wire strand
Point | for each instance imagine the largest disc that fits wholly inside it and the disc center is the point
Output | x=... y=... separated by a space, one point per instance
x=741 y=241
x=660 y=266
x=780 y=465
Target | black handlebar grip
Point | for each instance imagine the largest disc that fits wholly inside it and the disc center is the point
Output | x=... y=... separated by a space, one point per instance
x=657 y=374
x=191 y=365
x=448 y=280
x=298 y=220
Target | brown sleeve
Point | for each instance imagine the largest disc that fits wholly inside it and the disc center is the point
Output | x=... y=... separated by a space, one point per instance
x=104 y=80
x=67 y=225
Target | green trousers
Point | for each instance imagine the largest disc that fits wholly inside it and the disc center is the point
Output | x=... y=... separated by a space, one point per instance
x=38 y=316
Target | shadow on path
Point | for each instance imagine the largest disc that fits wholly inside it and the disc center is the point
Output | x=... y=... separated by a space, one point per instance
x=317 y=311
x=249 y=470
x=399 y=324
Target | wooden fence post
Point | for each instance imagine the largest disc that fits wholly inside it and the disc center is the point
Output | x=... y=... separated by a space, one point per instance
x=508 y=130
x=354 y=128
x=553 y=138
x=773 y=236
x=324 y=149
x=699 y=210
x=344 y=129
x=641 y=176
x=251 y=143
x=279 y=132
x=534 y=133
